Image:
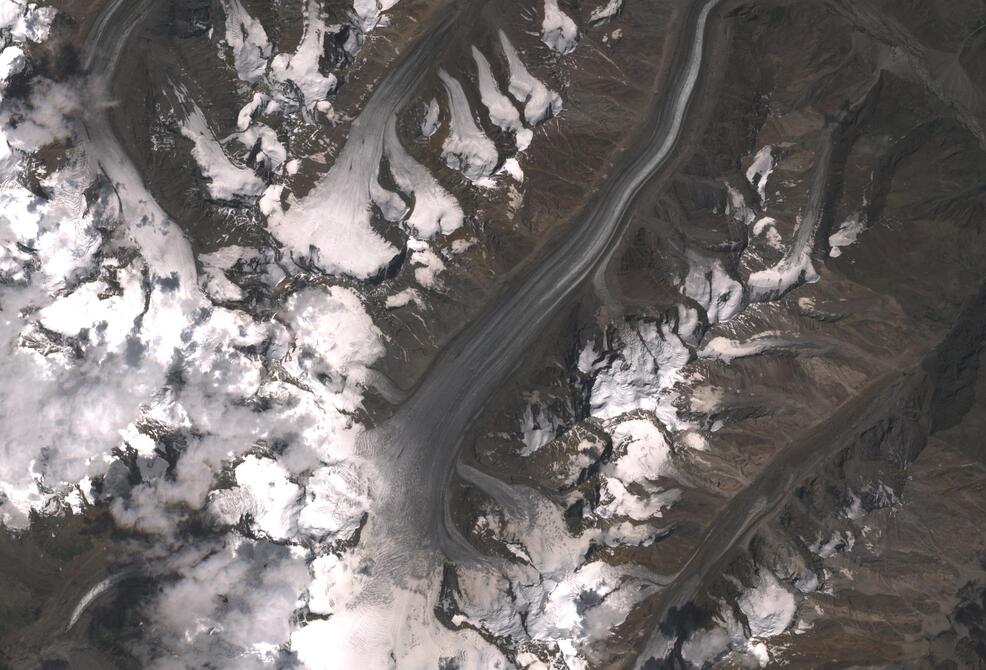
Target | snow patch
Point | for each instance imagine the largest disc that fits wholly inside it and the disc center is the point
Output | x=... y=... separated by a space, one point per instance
x=837 y=542
x=537 y=427
x=26 y=21
x=266 y=493
x=727 y=350
x=847 y=234
x=759 y=171
x=12 y=61
x=558 y=30
x=370 y=12
x=435 y=211
x=404 y=298
x=605 y=12
x=429 y=123
x=302 y=67
x=540 y=103
x=426 y=263
x=767 y=227
x=502 y=112
x=641 y=375
x=642 y=451
x=791 y=271
x=225 y=181
x=337 y=498
x=708 y=284
x=769 y=607
x=616 y=501
x=466 y=148
x=248 y=41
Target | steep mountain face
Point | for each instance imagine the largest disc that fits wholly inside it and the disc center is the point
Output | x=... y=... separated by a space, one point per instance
x=486 y=335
